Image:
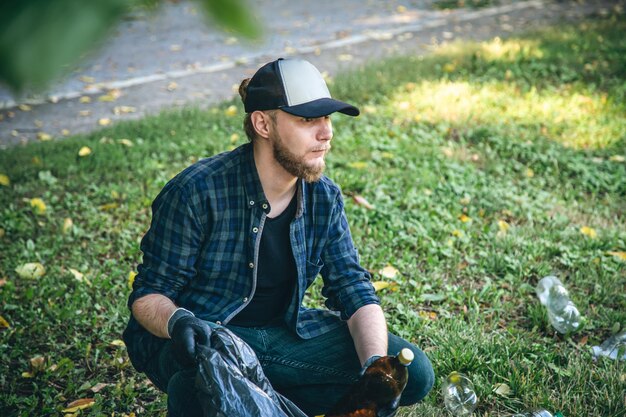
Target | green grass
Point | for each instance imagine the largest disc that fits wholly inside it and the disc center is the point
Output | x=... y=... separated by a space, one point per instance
x=483 y=162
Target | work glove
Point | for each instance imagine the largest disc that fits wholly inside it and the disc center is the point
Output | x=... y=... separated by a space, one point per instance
x=390 y=409
x=187 y=331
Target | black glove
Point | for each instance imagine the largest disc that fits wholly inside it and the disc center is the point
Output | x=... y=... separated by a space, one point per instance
x=187 y=331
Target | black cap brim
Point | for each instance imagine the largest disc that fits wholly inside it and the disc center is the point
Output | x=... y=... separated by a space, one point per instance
x=321 y=107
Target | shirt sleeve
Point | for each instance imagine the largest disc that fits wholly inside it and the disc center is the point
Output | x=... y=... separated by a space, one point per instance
x=347 y=285
x=170 y=247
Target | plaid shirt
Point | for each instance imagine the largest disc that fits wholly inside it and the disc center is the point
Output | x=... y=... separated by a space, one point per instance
x=201 y=250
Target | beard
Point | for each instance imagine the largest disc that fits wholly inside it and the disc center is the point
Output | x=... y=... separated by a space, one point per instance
x=294 y=164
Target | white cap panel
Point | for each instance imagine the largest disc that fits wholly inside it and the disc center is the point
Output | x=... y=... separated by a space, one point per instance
x=302 y=82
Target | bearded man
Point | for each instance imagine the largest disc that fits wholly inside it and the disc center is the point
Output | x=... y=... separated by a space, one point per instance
x=236 y=240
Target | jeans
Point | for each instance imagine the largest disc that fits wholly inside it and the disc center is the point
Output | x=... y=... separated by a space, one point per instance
x=312 y=373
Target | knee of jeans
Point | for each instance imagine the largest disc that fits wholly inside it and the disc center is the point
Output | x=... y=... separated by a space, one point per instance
x=421 y=379
x=181 y=396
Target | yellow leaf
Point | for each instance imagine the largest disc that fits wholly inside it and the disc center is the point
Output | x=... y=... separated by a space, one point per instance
x=465 y=200
x=361 y=201
x=345 y=57
x=24 y=107
x=4 y=323
x=588 y=231
x=67 y=225
x=84 y=151
x=231 y=111
x=118 y=343
x=457 y=233
x=65 y=132
x=4 y=180
x=389 y=272
x=37 y=363
x=619 y=255
x=84 y=113
x=449 y=67
x=369 y=109
x=401 y=9
x=502 y=389
x=38 y=205
x=358 y=165
x=44 y=137
x=125 y=142
x=464 y=218
x=87 y=79
x=79 y=405
x=27 y=375
x=77 y=274
x=234 y=138
x=172 y=86
x=131 y=279
x=380 y=285
x=105 y=121
x=31 y=270
x=117 y=110
x=529 y=173
x=84 y=99
x=617 y=158
x=109 y=206
x=503 y=226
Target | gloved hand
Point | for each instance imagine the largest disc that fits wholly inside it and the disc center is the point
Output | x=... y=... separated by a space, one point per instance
x=186 y=331
x=390 y=409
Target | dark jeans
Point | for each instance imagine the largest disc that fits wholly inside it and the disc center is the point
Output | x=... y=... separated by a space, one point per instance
x=312 y=373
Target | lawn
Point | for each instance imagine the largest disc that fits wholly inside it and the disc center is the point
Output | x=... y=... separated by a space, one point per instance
x=472 y=173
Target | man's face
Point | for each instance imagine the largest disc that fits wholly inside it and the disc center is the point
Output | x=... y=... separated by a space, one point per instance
x=300 y=144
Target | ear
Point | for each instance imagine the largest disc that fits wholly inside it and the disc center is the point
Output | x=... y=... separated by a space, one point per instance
x=262 y=123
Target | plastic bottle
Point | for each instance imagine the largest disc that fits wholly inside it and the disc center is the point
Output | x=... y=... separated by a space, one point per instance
x=458 y=395
x=611 y=347
x=382 y=382
x=535 y=413
x=562 y=312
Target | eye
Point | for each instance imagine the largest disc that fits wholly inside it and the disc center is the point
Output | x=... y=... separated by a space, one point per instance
x=309 y=119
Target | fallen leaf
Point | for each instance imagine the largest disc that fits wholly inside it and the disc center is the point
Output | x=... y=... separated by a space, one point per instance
x=234 y=138
x=24 y=107
x=117 y=110
x=618 y=255
x=588 y=231
x=401 y=9
x=109 y=206
x=77 y=274
x=125 y=142
x=529 y=173
x=65 y=132
x=131 y=279
x=389 y=272
x=4 y=180
x=361 y=201
x=231 y=40
x=110 y=96
x=98 y=387
x=105 y=121
x=4 y=324
x=30 y=270
x=84 y=151
x=67 y=225
x=84 y=113
x=87 y=79
x=503 y=226
x=617 y=158
x=117 y=343
x=37 y=363
x=172 y=86
x=457 y=233
x=231 y=111
x=502 y=389
x=464 y=218
x=175 y=48
x=583 y=340
x=3 y=282
x=27 y=375
x=380 y=285
x=345 y=57
x=38 y=205
x=84 y=99
x=358 y=165
x=44 y=137
x=79 y=405
x=465 y=201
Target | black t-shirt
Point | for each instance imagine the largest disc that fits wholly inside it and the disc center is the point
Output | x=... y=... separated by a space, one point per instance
x=276 y=274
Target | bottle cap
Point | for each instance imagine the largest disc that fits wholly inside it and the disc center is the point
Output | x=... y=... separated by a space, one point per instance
x=406 y=356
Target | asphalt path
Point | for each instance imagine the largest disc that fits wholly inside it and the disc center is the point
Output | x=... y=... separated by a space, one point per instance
x=175 y=57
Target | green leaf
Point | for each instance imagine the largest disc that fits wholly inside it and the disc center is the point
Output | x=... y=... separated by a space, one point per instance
x=39 y=38
x=234 y=15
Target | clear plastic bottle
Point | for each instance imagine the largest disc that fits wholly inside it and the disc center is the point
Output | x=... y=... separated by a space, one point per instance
x=381 y=383
x=458 y=395
x=535 y=413
x=562 y=312
x=611 y=347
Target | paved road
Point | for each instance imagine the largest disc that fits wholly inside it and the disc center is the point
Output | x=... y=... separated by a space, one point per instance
x=173 y=58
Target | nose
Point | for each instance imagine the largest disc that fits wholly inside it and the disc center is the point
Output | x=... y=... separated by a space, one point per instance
x=325 y=129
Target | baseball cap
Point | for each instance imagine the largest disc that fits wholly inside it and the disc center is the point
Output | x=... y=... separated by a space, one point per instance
x=294 y=86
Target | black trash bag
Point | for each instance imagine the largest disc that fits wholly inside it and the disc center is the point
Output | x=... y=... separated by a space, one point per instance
x=230 y=381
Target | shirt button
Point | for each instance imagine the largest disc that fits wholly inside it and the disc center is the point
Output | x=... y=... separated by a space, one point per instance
x=245 y=299
x=255 y=229
x=219 y=323
x=251 y=202
x=251 y=265
x=264 y=206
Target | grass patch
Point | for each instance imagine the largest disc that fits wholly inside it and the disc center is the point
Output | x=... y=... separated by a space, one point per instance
x=485 y=163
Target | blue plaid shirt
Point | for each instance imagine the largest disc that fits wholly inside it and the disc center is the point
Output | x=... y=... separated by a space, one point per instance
x=201 y=250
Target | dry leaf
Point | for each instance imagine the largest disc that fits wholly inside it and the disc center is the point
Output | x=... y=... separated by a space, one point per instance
x=98 y=387
x=27 y=375
x=38 y=205
x=30 y=270
x=109 y=206
x=105 y=121
x=457 y=233
x=345 y=57
x=175 y=48
x=131 y=279
x=380 y=285
x=619 y=255
x=503 y=226
x=358 y=165
x=361 y=201
x=77 y=274
x=117 y=110
x=44 y=137
x=79 y=405
x=84 y=113
x=84 y=99
x=65 y=132
x=3 y=281
x=529 y=173
x=24 y=107
x=617 y=158
x=110 y=96
x=172 y=86
x=125 y=142
x=4 y=180
x=588 y=231
x=67 y=225
x=4 y=324
x=117 y=343
x=502 y=389
x=464 y=218
x=37 y=363
x=389 y=272
x=583 y=340
x=231 y=111
x=87 y=79
x=84 y=151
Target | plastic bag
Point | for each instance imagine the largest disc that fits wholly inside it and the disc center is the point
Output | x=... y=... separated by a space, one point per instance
x=231 y=382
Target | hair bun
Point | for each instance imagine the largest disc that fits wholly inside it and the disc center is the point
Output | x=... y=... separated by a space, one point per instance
x=243 y=89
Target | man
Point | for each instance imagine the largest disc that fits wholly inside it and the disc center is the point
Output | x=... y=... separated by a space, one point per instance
x=236 y=240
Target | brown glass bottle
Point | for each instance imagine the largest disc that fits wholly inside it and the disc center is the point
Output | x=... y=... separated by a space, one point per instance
x=382 y=382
